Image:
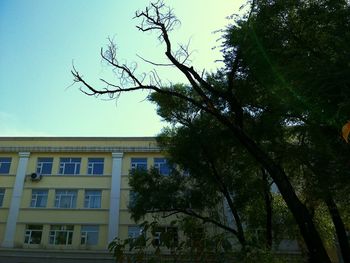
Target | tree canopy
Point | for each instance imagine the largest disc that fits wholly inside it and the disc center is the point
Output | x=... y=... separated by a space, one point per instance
x=278 y=105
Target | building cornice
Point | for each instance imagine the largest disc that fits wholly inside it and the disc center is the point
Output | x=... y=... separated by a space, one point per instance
x=71 y=138
x=77 y=149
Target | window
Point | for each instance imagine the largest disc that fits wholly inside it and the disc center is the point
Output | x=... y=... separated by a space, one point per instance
x=134 y=234
x=66 y=199
x=5 y=163
x=138 y=163
x=165 y=236
x=92 y=199
x=95 y=166
x=39 y=198
x=33 y=234
x=61 y=234
x=2 y=195
x=161 y=164
x=132 y=198
x=196 y=236
x=70 y=165
x=44 y=166
x=185 y=173
x=89 y=235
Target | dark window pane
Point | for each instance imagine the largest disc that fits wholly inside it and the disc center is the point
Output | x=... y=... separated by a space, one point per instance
x=69 y=168
x=96 y=160
x=46 y=168
x=5 y=163
x=45 y=160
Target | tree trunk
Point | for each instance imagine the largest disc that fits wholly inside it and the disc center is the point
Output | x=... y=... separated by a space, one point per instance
x=316 y=249
x=339 y=228
x=240 y=233
x=268 y=208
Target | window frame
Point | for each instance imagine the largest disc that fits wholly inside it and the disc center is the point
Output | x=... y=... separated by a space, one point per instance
x=66 y=162
x=73 y=194
x=138 y=163
x=28 y=234
x=35 y=198
x=84 y=235
x=92 y=162
x=157 y=236
x=87 y=198
x=159 y=164
x=54 y=234
x=132 y=197
x=42 y=163
x=5 y=163
x=134 y=236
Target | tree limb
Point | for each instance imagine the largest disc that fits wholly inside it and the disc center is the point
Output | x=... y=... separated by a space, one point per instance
x=192 y=213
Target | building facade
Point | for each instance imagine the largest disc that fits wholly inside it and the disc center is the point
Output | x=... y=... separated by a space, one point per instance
x=69 y=193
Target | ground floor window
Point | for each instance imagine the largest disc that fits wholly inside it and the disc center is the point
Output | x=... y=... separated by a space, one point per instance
x=33 y=234
x=134 y=234
x=61 y=234
x=165 y=236
x=89 y=235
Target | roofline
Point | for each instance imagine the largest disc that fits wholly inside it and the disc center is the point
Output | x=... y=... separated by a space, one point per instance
x=72 y=138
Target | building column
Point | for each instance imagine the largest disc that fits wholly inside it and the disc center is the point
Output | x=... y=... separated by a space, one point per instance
x=114 y=205
x=10 y=229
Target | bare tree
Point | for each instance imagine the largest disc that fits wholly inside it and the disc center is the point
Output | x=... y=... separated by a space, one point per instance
x=159 y=18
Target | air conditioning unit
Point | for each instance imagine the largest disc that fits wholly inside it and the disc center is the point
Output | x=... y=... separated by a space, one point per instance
x=35 y=177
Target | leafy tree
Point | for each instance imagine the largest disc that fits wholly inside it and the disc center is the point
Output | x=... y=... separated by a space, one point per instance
x=219 y=172
x=309 y=92
x=286 y=78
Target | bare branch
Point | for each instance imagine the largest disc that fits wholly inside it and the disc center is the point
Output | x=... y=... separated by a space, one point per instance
x=160 y=18
x=155 y=64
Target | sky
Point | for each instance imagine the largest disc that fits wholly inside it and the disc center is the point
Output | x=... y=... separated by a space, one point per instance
x=40 y=40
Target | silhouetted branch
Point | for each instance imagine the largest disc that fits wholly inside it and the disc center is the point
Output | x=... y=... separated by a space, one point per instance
x=155 y=64
x=192 y=213
x=160 y=18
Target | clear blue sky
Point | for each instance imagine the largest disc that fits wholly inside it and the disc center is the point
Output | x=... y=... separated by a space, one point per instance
x=39 y=40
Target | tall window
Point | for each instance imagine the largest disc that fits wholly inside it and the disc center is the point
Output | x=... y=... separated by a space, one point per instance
x=161 y=164
x=89 y=235
x=44 y=166
x=66 y=199
x=2 y=195
x=70 y=166
x=33 y=234
x=139 y=163
x=5 y=164
x=61 y=234
x=92 y=199
x=95 y=166
x=39 y=198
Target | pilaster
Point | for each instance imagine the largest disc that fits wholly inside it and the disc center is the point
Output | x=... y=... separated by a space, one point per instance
x=10 y=229
x=114 y=206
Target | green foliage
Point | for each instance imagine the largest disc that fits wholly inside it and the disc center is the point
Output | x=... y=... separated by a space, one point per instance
x=292 y=82
x=296 y=52
x=197 y=245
